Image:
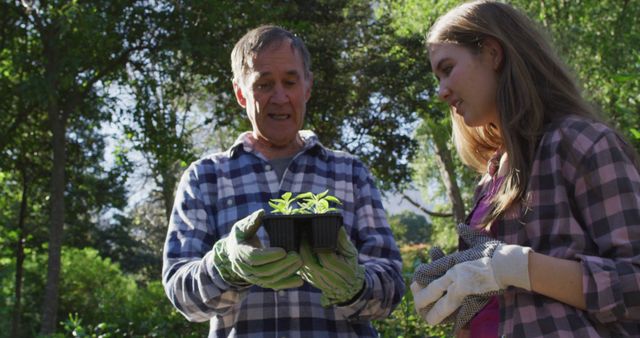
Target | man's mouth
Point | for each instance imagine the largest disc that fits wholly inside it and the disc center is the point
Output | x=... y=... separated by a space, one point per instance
x=279 y=117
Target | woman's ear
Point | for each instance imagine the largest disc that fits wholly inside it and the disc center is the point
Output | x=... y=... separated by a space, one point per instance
x=494 y=48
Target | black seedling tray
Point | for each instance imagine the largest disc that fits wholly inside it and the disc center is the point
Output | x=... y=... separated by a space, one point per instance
x=286 y=231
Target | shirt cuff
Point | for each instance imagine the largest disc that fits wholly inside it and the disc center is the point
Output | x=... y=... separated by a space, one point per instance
x=217 y=280
x=602 y=289
x=359 y=302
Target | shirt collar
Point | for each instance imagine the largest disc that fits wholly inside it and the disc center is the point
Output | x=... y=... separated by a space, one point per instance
x=309 y=138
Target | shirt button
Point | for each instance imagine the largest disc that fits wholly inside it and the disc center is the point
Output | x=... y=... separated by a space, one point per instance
x=281 y=293
x=229 y=202
x=267 y=167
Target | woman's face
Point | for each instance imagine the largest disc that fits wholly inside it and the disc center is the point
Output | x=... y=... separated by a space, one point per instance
x=468 y=81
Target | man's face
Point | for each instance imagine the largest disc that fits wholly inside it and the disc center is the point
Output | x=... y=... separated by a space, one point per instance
x=275 y=92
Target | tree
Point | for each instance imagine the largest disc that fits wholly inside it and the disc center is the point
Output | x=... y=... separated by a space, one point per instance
x=594 y=37
x=409 y=227
x=73 y=51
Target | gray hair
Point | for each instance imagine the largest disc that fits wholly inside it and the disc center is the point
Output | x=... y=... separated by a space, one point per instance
x=257 y=40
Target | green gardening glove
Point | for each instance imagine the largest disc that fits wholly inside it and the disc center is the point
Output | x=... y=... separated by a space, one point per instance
x=337 y=274
x=241 y=259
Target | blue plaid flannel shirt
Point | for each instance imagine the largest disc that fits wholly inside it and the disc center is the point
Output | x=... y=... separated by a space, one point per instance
x=218 y=190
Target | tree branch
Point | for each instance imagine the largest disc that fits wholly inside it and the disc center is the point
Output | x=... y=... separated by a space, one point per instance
x=423 y=209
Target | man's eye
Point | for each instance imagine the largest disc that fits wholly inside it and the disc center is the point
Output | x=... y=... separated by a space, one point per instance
x=447 y=69
x=262 y=86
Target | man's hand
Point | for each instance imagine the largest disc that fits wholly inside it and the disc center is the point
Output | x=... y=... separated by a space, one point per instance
x=337 y=274
x=485 y=269
x=241 y=259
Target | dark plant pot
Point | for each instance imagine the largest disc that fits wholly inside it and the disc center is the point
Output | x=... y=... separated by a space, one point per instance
x=286 y=231
x=324 y=231
x=283 y=232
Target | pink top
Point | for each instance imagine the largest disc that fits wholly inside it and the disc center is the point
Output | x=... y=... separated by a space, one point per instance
x=485 y=323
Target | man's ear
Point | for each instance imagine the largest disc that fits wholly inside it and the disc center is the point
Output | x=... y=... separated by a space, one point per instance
x=237 y=89
x=494 y=48
x=309 y=84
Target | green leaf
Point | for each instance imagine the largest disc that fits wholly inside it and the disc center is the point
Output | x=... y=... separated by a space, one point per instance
x=333 y=199
x=322 y=194
x=305 y=195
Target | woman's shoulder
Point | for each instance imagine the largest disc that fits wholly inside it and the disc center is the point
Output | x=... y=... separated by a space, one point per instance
x=577 y=125
x=579 y=132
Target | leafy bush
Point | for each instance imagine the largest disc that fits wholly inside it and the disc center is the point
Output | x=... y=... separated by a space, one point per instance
x=409 y=227
x=96 y=300
x=404 y=322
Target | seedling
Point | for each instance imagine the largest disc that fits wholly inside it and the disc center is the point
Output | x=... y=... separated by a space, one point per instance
x=313 y=217
x=283 y=205
x=317 y=204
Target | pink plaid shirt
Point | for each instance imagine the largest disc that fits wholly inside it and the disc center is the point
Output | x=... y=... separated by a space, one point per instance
x=583 y=204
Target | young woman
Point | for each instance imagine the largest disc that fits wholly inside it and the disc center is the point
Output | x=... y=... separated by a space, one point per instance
x=560 y=195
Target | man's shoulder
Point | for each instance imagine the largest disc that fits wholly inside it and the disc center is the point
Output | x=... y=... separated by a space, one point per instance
x=211 y=163
x=344 y=157
x=213 y=158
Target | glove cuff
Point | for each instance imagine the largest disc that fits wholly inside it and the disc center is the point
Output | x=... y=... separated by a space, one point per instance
x=510 y=264
x=223 y=265
x=347 y=296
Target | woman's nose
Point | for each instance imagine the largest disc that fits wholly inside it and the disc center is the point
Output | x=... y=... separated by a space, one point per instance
x=443 y=92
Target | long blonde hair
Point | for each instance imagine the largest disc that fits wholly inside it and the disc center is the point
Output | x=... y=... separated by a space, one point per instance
x=534 y=86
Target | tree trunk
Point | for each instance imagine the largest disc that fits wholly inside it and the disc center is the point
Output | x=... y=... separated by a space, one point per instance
x=50 y=305
x=447 y=172
x=57 y=120
x=168 y=184
x=17 y=309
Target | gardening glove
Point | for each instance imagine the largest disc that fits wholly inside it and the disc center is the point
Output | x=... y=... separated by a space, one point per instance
x=485 y=269
x=337 y=274
x=427 y=273
x=241 y=259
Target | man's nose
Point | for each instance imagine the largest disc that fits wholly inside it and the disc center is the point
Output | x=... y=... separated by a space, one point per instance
x=279 y=95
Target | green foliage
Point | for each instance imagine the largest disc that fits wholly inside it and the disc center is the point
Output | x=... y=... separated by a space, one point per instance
x=404 y=321
x=594 y=38
x=312 y=203
x=284 y=205
x=317 y=203
x=409 y=227
x=73 y=326
x=98 y=300
x=82 y=271
x=444 y=235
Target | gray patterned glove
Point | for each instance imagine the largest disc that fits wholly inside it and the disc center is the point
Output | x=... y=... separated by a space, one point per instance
x=427 y=273
x=454 y=288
